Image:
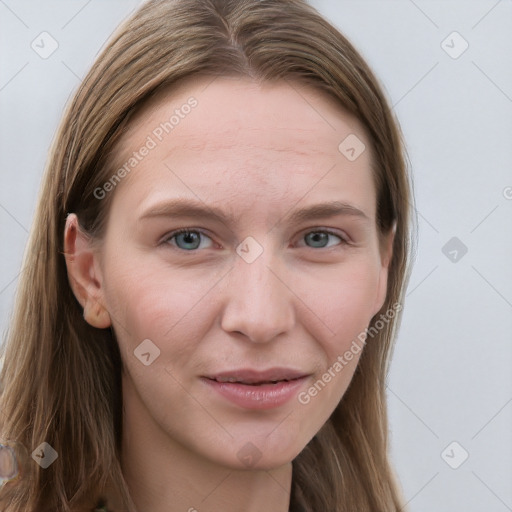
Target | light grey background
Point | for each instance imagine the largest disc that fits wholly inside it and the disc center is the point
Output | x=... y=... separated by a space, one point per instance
x=450 y=379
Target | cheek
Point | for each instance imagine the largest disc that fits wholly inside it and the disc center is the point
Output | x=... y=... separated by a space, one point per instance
x=150 y=302
x=343 y=301
x=346 y=307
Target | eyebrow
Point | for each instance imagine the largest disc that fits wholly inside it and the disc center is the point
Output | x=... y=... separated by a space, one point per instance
x=193 y=209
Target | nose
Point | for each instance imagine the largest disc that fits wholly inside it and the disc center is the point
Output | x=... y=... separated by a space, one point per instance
x=258 y=302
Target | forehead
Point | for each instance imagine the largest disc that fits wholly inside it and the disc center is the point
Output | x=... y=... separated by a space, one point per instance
x=234 y=140
x=228 y=104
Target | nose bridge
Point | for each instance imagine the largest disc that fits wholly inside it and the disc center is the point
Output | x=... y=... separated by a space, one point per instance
x=258 y=304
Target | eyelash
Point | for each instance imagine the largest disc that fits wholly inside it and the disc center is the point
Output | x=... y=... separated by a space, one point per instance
x=174 y=234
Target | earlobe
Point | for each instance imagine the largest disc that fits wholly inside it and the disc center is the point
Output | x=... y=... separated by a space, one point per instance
x=83 y=274
x=96 y=315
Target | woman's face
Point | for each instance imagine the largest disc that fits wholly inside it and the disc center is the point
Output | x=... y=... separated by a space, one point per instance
x=279 y=275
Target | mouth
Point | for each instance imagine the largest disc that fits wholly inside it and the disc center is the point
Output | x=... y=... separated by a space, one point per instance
x=257 y=390
x=233 y=380
x=251 y=377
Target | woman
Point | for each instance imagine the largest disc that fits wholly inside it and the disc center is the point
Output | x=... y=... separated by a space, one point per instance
x=246 y=372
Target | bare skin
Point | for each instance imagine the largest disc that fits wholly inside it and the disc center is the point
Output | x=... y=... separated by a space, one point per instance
x=258 y=153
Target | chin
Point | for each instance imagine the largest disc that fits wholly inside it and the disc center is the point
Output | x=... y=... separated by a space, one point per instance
x=252 y=455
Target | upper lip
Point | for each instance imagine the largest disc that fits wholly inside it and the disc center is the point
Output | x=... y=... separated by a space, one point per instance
x=250 y=376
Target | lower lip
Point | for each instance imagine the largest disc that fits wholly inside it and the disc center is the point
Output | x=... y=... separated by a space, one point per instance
x=264 y=396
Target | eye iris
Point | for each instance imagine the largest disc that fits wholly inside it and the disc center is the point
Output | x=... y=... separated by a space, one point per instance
x=315 y=238
x=318 y=238
x=189 y=237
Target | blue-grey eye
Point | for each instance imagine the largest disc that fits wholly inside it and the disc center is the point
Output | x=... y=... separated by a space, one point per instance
x=190 y=239
x=187 y=239
x=320 y=239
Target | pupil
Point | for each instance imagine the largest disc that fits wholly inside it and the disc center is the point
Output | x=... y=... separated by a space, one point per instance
x=190 y=237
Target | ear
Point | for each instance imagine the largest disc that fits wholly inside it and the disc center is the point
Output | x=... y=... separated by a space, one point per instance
x=386 y=253
x=84 y=273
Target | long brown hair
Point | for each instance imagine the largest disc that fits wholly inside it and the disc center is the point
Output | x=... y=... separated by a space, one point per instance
x=61 y=377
